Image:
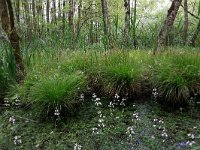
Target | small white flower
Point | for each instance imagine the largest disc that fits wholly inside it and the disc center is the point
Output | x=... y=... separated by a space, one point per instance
x=117 y=96
x=12 y=120
x=94 y=95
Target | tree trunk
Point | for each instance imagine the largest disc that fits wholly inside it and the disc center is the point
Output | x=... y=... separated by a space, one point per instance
x=127 y=20
x=127 y=15
x=71 y=14
x=63 y=17
x=105 y=20
x=195 y=35
x=54 y=12
x=134 y=21
x=28 y=21
x=172 y=12
x=47 y=14
x=8 y=25
x=79 y=20
x=17 y=10
x=59 y=9
x=71 y=22
x=34 y=18
x=185 y=23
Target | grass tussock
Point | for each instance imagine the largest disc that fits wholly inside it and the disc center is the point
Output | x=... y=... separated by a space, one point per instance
x=177 y=76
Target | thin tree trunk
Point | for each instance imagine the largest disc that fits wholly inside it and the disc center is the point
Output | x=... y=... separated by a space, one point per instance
x=134 y=23
x=33 y=10
x=195 y=35
x=79 y=19
x=17 y=10
x=63 y=17
x=71 y=22
x=47 y=14
x=127 y=15
x=54 y=12
x=105 y=20
x=28 y=21
x=8 y=25
x=127 y=20
x=185 y=23
x=59 y=9
x=172 y=12
x=71 y=14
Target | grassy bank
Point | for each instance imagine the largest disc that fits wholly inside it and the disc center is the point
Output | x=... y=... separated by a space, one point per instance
x=89 y=98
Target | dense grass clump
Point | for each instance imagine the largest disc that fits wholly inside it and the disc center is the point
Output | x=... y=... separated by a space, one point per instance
x=50 y=92
x=177 y=76
x=57 y=92
x=122 y=74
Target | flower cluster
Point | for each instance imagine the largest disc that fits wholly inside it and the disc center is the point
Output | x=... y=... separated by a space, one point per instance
x=12 y=120
x=96 y=100
x=6 y=102
x=77 y=147
x=130 y=132
x=100 y=125
x=117 y=101
x=82 y=97
x=57 y=111
x=135 y=117
x=185 y=144
x=17 y=140
x=155 y=93
x=158 y=123
x=17 y=102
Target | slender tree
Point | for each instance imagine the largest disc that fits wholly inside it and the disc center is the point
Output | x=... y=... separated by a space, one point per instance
x=54 y=12
x=185 y=22
x=47 y=13
x=17 y=11
x=105 y=20
x=8 y=25
x=71 y=14
x=71 y=22
x=34 y=17
x=134 y=24
x=169 y=21
x=28 y=21
x=63 y=17
x=127 y=19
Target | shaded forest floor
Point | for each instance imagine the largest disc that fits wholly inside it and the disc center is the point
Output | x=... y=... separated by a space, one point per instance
x=138 y=126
